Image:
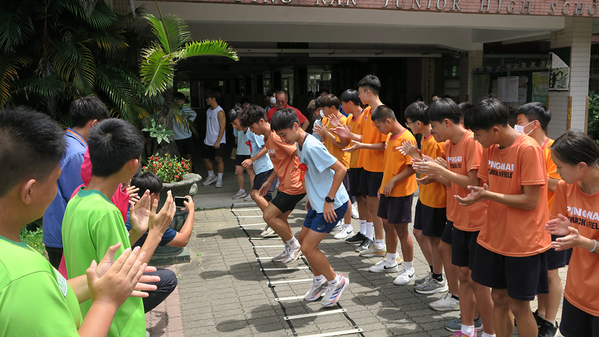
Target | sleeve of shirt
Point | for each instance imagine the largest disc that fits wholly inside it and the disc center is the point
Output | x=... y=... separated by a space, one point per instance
x=259 y=140
x=440 y=150
x=31 y=308
x=321 y=157
x=474 y=153
x=190 y=113
x=70 y=178
x=483 y=169
x=288 y=148
x=235 y=132
x=106 y=233
x=533 y=171
x=551 y=168
x=559 y=200
x=168 y=236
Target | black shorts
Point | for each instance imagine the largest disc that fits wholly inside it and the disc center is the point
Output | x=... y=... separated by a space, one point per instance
x=355 y=174
x=347 y=186
x=463 y=247
x=523 y=277
x=578 y=323
x=430 y=220
x=239 y=158
x=286 y=202
x=447 y=232
x=209 y=152
x=370 y=183
x=556 y=259
x=261 y=178
x=184 y=146
x=395 y=210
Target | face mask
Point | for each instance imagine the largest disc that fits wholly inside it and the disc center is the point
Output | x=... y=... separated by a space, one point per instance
x=272 y=100
x=520 y=128
x=322 y=114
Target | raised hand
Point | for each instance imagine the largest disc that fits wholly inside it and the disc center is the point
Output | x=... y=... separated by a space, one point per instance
x=476 y=194
x=355 y=146
x=189 y=205
x=568 y=241
x=342 y=131
x=558 y=226
x=442 y=162
x=140 y=213
x=161 y=220
x=409 y=149
x=132 y=192
x=335 y=120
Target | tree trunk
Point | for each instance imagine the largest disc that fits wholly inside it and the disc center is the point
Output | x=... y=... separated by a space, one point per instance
x=166 y=118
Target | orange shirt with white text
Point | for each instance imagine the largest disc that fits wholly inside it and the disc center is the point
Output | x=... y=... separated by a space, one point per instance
x=395 y=162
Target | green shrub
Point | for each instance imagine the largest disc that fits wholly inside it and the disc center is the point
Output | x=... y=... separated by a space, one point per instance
x=32 y=235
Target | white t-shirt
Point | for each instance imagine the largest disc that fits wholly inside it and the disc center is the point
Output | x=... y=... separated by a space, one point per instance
x=213 y=127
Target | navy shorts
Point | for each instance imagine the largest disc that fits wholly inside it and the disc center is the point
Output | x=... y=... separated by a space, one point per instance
x=463 y=247
x=286 y=202
x=239 y=158
x=430 y=220
x=523 y=277
x=447 y=232
x=556 y=259
x=347 y=186
x=578 y=323
x=184 y=146
x=316 y=222
x=355 y=174
x=261 y=178
x=209 y=152
x=395 y=210
x=370 y=183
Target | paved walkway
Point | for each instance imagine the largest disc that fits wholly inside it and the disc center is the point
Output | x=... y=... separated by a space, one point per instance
x=224 y=292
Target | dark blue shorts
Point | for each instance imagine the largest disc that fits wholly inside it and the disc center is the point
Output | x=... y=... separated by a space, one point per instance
x=430 y=220
x=463 y=247
x=578 y=323
x=447 y=232
x=355 y=174
x=557 y=259
x=316 y=222
x=395 y=210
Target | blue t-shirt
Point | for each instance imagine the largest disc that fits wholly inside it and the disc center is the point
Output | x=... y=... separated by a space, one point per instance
x=242 y=148
x=319 y=177
x=263 y=163
x=167 y=237
x=69 y=180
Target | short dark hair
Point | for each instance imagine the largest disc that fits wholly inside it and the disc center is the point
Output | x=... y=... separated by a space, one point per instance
x=535 y=111
x=234 y=114
x=417 y=112
x=351 y=95
x=271 y=92
x=382 y=112
x=370 y=82
x=486 y=114
x=283 y=119
x=443 y=108
x=329 y=101
x=575 y=147
x=213 y=93
x=147 y=181
x=311 y=107
x=85 y=109
x=112 y=143
x=465 y=107
x=31 y=145
x=252 y=114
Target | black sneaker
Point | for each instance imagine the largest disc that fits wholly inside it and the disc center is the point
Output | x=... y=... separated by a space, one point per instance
x=547 y=329
x=538 y=318
x=356 y=238
x=366 y=243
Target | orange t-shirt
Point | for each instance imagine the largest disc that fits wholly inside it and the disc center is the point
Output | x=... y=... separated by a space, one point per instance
x=334 y=150
x=433 y=194
x=512 y=231
x=370 y=160
x=395 y=162
x=583 y=272
x=285 y=164
x=551 y=168
x=463 y=157
x=355 y=126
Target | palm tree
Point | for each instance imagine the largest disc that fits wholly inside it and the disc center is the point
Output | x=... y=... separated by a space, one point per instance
x=159 y=61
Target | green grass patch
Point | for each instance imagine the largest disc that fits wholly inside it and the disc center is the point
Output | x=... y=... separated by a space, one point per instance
x=33 y=236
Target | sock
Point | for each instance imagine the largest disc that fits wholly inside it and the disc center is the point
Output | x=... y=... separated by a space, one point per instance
x=379 y=243
x=370 y=230
x=348 y=225
x=457 y=298
x=293 y=242
x=363 y=227
x=319 y=279
x=210 y=174
x=468 y=330
x=438 y=277
x=335 y=280
x=487 y=335
x=392 y=258
x=242 y=190
x=220 y=177
x=431 y=267
x=408 y=265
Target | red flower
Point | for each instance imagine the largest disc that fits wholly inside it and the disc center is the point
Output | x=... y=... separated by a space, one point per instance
x=177 y=176
x=303 y=168
x=248 y=143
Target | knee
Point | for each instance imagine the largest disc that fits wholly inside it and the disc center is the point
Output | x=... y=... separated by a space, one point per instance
x=307 y=250
x=463 y=275
x=500 y=300
x=238 y=169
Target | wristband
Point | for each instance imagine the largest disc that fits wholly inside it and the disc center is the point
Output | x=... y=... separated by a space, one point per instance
x=594 y=248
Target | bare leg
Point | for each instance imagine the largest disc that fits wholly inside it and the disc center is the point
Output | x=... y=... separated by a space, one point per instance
x=278 y=222
x=425 y=245
x=260 y=201
x=318 y=261
x=208 y=164
x=220 y=164
x=251 y=174
x=373 y=207
x=407 y=245
x=436 y=255
x=467 y=300
x=504 y=321
x=347 y=216
x=363 y=209
x=240 y=177
x=451 y=271
x=391 y=238
x=484 y=304
x=527 y=326
x=549 y=303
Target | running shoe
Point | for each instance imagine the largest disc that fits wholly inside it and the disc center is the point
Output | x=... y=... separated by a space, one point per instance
x=459 y=333
x=239 y=195
x=338 y=227
x=293 y=253
x=356 y=238
x=316 y=290
x=424 y=279
x=445 y=303
x=548 y=329
x=432 y=286
x=366 y=243
x=219 y=183
x=456 y=324
x=373 y=250
x=383 y=266
x=248 y=197
x=210 y=180
x=354 y=211
x=345 y=233
x=333 y=293
x=405 y=277
x=283 y=255
x=268 y=233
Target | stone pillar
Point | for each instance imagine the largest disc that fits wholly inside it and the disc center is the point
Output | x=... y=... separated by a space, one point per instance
x=576 y=35
x=468 y=63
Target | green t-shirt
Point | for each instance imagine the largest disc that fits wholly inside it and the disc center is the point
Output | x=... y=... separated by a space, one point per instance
x=35 y=300
x=90 y=225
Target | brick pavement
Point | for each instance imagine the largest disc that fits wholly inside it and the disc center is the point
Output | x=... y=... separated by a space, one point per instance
x=223 y=292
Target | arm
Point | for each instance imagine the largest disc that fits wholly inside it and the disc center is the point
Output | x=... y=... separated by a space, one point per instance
x=364 y=146
x=324 y=132
x=552 y=185
x=305 y=124
x=222 y=121
x=266 y=186
x=157 y=224
x=528 y=200
x=181 y=239
x=248 y=162
x=329 y=209
x=409 y=171
x=431 y=167
x=343 y=131
x=562 y=226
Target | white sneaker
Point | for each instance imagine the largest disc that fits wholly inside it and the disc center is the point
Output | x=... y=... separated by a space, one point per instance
x=293 y=253
x=424 y=279
x=339 y=226
x=239 y=195
x=284 y=254
x=405 y=277
x=316 y=290
x=383 y=266
x=333 y=293
x=373 y=250
x=210 y=180
x=445 y=303
x=219 y=183
x=432 y=286
x=268 y=233
x=248 y=197
x=345 y=233
x=354 y=211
